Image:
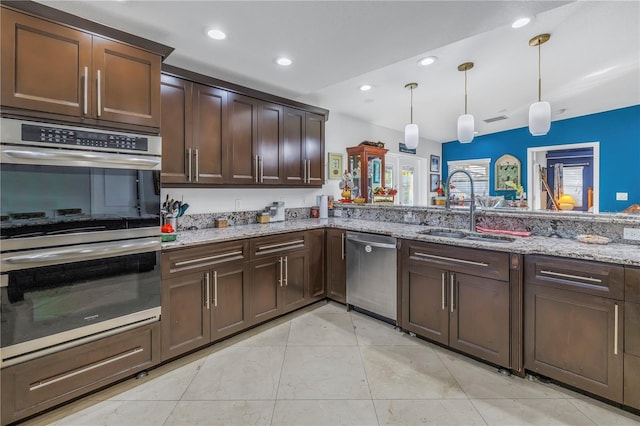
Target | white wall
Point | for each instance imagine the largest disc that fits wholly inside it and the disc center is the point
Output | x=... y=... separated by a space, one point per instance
x=341 y=131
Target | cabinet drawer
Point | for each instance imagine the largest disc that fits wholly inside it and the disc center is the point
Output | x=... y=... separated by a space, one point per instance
x=599 y=279
x=35 y=385
x=481 y=263
x=201 y=258
x=632 y=284
x=276 y=244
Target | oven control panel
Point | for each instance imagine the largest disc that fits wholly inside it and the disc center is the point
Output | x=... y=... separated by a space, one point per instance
x=75 y=137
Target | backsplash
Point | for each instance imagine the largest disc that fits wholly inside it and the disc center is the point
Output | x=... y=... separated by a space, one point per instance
x=206 y=220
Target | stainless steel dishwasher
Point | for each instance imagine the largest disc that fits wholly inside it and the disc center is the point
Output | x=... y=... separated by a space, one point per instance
x=371 y=274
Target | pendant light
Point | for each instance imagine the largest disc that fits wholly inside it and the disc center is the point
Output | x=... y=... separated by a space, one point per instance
x=539 y=112
x=466 y=122
x=411 y=130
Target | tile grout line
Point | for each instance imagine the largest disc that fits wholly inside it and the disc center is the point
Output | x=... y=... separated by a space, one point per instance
x=284 y=357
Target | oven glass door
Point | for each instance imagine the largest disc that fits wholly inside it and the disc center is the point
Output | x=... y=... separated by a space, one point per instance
x=49 y=200
x=46 y=305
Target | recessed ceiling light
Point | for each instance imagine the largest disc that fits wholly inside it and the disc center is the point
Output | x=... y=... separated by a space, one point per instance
x=281 y=60
x=216 y=34
x=519 y=23
x=427 y=61
x=366 y=87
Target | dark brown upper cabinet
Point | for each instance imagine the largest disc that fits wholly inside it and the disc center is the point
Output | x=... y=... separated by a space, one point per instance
x=195 y=118
x=55 y=72
x=251 y=138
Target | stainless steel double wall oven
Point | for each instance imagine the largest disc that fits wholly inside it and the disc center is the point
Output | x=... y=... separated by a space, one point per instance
x=80 y=236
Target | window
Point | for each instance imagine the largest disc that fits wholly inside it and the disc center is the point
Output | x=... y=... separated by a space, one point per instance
x=479 y=171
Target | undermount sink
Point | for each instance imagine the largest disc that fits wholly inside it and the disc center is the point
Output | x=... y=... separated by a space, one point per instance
x=449 y=233
x=456 y=234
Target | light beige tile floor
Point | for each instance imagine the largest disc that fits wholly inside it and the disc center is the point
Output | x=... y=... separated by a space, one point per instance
x=326 y=366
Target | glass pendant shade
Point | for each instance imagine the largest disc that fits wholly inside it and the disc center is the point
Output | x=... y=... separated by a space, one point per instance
x=539 y=118
x=466 y=124
x=411 y=136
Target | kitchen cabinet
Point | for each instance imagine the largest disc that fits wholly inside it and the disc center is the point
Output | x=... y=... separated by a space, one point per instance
x=33 y=386
x=242 y=148
x=366 y=164
x=459 y=297
x=285 y=272
x=303 y=147
x=53 y=71
x=204 y=295
x=574 y=323
x=192 y=140
x=632 y=337
x=336 y=265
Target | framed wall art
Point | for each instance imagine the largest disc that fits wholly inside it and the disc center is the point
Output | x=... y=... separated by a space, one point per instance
x=435 y=182
x=335 y=166
x=507 y=169
x=435 y=164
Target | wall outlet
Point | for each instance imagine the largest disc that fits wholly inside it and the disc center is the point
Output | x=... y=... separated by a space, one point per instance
x=622 y=196
x=631 y=234
x=238 y=203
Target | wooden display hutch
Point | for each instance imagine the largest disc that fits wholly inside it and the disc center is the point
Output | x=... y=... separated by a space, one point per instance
x=369 y=159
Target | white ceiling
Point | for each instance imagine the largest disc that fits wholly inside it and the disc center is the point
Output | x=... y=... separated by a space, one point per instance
x=591 y=64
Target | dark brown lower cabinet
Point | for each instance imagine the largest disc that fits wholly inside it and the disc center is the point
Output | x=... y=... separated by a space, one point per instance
x=36 y=385
x=204 y=295
x=572 y=333
x=632 y=338
x=443 y=300
x=336 y=265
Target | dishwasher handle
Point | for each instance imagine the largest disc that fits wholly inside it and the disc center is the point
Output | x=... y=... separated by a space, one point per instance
x=357 y=240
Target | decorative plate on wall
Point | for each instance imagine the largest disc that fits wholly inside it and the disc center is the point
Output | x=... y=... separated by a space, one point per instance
x=507 y=169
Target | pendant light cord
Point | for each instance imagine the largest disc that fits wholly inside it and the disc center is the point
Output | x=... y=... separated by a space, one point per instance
x=412 y=105
x=465 y=91
x=539 y=74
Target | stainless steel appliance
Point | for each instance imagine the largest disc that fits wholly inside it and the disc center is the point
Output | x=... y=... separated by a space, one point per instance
x=80 y=237
x=371 y=274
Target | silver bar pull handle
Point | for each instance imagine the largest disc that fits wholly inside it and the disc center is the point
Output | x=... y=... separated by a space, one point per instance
x=206 y=283
x=208 y=258
x=255 y=167
x=54 y=157
x=189 y=160
x=215 y=289
x=86 y=369
x=261 y=161
x=571 y=277
x=99 y=95
x=280 y=278
x=293 y=244
x=286 y=271
x=308 y=171
x=450 y=259
x=197 y=164
x=615 y=330
x=86 y=90
x=444 y=289
x=453 y=298
x=343 y=241
x=304 y=173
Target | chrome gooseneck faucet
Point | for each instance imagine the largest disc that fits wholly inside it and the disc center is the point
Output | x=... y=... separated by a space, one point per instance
x=471 y=201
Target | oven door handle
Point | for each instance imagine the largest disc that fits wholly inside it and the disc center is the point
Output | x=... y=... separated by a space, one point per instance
x=56 y=157
x=56 y=256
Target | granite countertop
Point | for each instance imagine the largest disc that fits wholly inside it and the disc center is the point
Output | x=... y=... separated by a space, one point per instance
x=625 y=254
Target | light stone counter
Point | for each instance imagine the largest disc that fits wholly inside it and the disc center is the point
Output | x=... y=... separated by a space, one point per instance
x=624 y=254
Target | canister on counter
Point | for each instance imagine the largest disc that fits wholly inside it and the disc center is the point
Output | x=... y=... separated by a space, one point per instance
x=221 y=222
x=315 y=212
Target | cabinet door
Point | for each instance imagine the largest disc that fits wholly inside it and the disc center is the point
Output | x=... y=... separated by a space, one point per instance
x=127 y=83
x=296 y=278
x=573 y=338
x=425 y=303
x=479 y=322
x=270 y=143
x=265 y=293
x=242 y=160
x=43 y=66
x=229 y=300
x=294 y=139
x=209 y=133
x=185 y=314
x=336 y=265
x=317 y=281
x=177 y=131
x=314 y=149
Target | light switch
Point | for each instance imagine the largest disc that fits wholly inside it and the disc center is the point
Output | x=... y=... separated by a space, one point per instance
x=622 y=196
